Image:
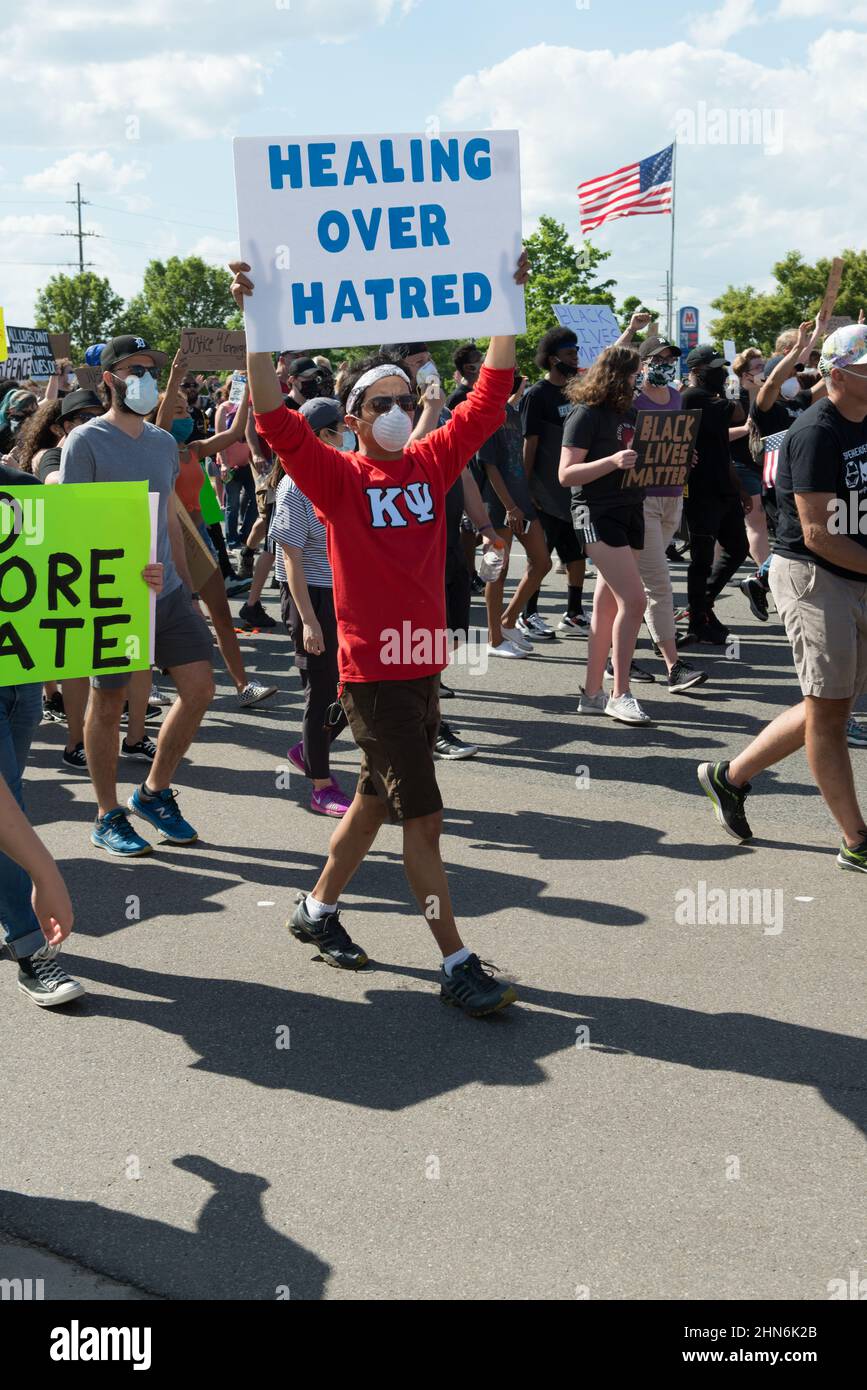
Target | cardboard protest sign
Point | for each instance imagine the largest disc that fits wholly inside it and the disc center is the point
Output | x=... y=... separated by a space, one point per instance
x=835 y=277
x=379 y=238
x=4 y=348
x=200 y=561
x=72 y=599
x=59 y=344
x=88 y=378
x=594 y=325
x=664 y=441
x=213 y=349
x=29 y=355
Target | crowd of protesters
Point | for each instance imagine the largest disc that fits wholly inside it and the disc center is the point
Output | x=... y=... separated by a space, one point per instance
x=375 y=502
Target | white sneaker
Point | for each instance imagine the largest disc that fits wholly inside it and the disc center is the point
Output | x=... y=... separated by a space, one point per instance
x=579 y=625
x=507 y=648
x=592 y=704
x=160 y=697
x=517 y=639
x=627 y=709
x=536 y=629
x=254 y=693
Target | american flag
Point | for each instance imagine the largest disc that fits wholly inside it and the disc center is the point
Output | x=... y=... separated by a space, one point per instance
x=632 y=191
x=772 y=444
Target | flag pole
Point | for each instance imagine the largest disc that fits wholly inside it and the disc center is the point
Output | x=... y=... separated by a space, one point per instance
x=671 y=261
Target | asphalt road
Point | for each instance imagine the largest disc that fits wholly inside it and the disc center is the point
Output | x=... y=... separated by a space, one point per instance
x=672 y=1110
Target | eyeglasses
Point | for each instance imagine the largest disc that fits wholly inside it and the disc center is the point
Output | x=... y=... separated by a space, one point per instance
x=381 y=405
x=80 y=417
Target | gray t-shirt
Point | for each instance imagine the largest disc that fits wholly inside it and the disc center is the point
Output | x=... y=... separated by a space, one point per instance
x=99 y=452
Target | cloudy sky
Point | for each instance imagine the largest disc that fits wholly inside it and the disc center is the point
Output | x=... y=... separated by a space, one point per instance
x=140 y=105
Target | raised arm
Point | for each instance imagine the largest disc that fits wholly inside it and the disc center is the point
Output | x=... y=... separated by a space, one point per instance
x=166 y=412
x=206 y=448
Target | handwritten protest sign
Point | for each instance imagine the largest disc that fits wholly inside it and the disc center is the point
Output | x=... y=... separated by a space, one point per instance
x=236 y=390
x=29 y=355
x=72 y=599
x=594 y=325
x=379 y=238
x=213 y=349
x=88 y=378
x=664 y=441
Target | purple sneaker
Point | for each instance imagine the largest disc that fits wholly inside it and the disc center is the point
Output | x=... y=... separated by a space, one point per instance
x=330 y=801
x=296 y=757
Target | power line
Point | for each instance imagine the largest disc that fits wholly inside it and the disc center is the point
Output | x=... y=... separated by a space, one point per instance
x=174 y=221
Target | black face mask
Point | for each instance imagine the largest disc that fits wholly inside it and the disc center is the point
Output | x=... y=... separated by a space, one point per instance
x=714 y=378
x=566 y=368
x=322 y=384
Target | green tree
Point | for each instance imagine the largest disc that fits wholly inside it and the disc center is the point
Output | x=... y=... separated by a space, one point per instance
x=178 y=294
x=84 y=306
x=750 y=318
x=560 y=274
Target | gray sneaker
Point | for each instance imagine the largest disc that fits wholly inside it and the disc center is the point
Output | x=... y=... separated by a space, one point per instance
x=592 y=704
x=43 y=980
x=626 y=709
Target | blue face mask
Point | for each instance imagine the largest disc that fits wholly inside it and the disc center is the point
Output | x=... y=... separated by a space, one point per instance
x=182 y=429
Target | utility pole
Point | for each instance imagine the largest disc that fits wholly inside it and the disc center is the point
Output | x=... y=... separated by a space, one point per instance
x=78 y=203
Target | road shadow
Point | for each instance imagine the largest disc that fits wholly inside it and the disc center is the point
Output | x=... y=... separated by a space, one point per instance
x=234 y=1252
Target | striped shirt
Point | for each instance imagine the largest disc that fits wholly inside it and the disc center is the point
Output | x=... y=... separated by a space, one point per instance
x=295 y=523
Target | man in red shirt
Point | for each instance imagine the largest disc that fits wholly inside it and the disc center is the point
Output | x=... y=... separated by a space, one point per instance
x=384 y=509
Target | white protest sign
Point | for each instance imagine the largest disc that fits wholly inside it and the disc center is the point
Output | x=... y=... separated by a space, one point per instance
x=380 y=238
x=594 y=325
x=729 y=349
x=236 y=390
x=29 y=355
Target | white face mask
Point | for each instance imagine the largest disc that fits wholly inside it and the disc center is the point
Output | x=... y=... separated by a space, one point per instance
x=141 y=393
x=789 y=388
x=392 y=431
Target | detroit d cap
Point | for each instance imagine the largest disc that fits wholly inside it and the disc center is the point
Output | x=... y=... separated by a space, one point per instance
x=128 y=345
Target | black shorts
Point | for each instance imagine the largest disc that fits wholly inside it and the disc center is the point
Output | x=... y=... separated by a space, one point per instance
x=561 y=536
x=520 y=495
x=615 y=526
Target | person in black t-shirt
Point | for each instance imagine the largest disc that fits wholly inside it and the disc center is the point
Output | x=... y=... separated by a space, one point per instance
x=715 y=503
x=543 y=411
x=45 y=431
x=749 y=368
x=819 y=582
x=596 y=454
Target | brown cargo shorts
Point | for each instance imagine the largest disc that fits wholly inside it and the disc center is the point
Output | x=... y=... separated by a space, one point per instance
x=395 y=725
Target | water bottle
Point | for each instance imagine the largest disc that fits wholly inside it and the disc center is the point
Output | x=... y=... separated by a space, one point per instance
x=492 y=561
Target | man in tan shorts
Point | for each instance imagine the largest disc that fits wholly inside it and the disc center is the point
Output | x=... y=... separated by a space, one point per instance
x=819 y=582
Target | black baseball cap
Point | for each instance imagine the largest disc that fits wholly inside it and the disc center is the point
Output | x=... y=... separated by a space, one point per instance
x=398 y=352
x=651 y=346
x=322 y=413
x=128 y=345
x=75 y=401
x=303 y=366
x=705 y=356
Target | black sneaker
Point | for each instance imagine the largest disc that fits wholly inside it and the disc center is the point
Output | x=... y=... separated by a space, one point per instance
x=142 y=752
x=704 y=634
x=446 y=692
x=53 y=710
x=330 y=938
x=475 y=990
x=74 y=757
x=755 y=594
x=246 y=563
x=672 y=552
x=728 y=801
x=682 y=676
x=477 y=585
x=43 y=980
x=717 y=631
x=636 y=673
x=448 y=745
x=153 y=713
x=253 y=615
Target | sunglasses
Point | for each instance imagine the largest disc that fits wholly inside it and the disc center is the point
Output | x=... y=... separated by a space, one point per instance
x=80 y=417
x=139 y=371
x=381 y=405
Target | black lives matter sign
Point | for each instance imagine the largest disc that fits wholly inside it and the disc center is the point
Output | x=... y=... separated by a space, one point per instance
x=664 y=441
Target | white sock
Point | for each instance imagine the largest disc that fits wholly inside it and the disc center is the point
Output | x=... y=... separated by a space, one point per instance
x=318 y=910
x=456 y=958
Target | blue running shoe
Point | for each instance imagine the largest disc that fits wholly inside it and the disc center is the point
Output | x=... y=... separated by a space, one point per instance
x=114 y=833
x=162 y=811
